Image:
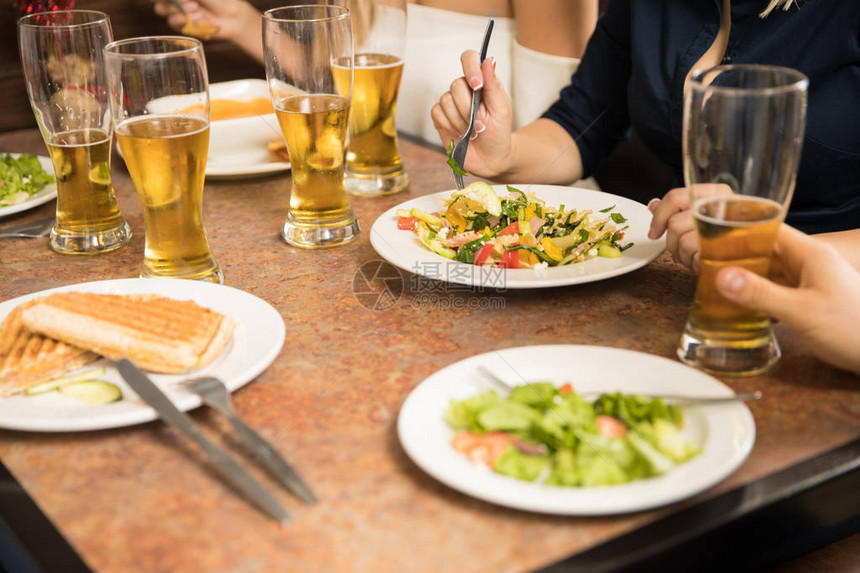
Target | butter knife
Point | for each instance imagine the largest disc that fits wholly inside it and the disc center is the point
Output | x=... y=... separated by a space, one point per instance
x=229 y=469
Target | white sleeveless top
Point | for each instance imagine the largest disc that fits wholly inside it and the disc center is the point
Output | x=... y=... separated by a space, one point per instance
x=436 y=38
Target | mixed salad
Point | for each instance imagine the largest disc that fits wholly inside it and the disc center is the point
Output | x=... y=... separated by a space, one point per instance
x=20 y=178
x=540 y=432
x=478 y=227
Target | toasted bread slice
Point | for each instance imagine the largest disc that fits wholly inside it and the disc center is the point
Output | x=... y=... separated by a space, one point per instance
x=158 y=333
x=27 y=359
x=278 y=151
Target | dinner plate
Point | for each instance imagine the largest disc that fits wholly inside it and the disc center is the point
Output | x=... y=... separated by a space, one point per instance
x=725 y=432
x=257 y=340
x=403 y=249
x=45 y=194
x=237 y=147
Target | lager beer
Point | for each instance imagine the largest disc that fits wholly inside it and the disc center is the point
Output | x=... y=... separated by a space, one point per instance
x=372 y=133
x=86 y=204
x=315 y=127
x=739 y=231
x=166 y=158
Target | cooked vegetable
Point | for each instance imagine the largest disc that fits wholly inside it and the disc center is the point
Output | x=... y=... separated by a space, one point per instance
x=92 y=392
x=57 y=382
x=541 y=432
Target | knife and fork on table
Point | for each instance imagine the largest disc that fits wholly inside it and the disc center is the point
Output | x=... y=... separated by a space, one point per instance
x=213 y=393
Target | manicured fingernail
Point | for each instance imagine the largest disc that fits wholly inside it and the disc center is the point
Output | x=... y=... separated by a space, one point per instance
x=480 y=127
x=733 y=281
x=476 y=83
x=653 y=203
x=652 y=234
x=493 y=63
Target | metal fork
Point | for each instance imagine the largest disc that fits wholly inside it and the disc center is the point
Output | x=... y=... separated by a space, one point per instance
x=215 y=395
x=31 y=230
x=689 y=400
x=459 y=153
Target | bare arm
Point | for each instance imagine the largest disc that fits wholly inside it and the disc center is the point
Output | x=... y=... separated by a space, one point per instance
x=557 y=27
x=847 y=243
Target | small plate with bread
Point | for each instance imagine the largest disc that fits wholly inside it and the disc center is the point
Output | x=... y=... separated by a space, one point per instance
x=245 y=139
x=171 y=328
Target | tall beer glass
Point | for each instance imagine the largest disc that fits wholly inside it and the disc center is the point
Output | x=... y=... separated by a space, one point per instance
x=159 y=95
x=306 y=48
x=63 y=62
x=373 y=165
x=743 y=130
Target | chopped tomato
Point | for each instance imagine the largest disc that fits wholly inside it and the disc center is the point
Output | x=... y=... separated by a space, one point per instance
x=510 y=260
x=481 y=448
x=407 y=223
x=609 y=427
x=482 y=255
x=512 y=229
x=566 y=388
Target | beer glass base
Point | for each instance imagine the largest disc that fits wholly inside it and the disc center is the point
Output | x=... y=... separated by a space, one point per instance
x=213 y=276
x=89 y=243
x=310 y=236
x=729 y=357
x=375 y=184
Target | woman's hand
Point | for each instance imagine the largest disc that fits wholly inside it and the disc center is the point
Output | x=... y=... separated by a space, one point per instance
x=237 y=20
x=822 y=303
x=490 y=150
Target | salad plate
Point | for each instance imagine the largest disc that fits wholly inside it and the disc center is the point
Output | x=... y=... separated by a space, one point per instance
x=45 y=194
x=725 y=432
x=403 y=249
x=257 y=340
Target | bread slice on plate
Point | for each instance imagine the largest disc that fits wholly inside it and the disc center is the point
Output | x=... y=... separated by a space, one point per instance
x=27 y=358
x=158 y=333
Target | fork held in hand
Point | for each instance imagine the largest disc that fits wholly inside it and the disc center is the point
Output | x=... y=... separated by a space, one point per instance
x=215 y=395
x=459 y=153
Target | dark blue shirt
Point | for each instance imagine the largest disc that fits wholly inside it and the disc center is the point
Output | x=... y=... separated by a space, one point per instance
x=633 y=72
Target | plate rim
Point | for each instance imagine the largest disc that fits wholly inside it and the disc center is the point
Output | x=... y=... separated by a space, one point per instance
x=489 y=278
x=482 y=489
x=42 y=196
x=182 y=399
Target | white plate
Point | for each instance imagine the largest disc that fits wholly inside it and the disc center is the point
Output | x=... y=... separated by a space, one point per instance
x=237 y=147
x=45 y=194
x=403 y=249
x=257 y=340
x=725 y=432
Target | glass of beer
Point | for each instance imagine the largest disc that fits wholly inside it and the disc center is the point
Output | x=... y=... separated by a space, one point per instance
x=64 y=69
x=159 y=96
x=373 y=165
x=309 y=61
x=742 y=136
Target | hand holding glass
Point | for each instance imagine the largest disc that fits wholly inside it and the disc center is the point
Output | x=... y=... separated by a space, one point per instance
x=63 y=62
x=159 y=96
x=743 y=130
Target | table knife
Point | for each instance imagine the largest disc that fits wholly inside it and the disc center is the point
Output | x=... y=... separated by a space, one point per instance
x=229 y=469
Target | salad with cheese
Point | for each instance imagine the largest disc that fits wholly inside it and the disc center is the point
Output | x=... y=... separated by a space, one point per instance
x=478 y=227
x=553 y=435
x=20 y=178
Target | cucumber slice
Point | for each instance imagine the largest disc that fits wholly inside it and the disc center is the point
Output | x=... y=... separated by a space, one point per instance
x=92 y=392
x=57 y=382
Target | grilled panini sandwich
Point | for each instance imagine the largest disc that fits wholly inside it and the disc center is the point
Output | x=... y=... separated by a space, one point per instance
x=27 y=358
x=158 y=333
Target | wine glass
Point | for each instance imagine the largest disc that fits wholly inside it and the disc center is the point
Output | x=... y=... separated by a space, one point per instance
x=309 y=64
x=743 y=130
x=159 y=96
x=63 y=63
